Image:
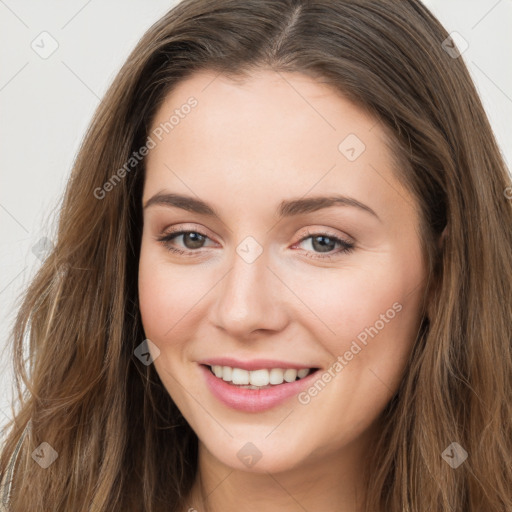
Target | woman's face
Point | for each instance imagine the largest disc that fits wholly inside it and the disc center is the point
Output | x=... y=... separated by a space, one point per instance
x=301 y=251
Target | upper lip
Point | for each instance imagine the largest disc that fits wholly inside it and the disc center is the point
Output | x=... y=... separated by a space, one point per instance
x=253 y=364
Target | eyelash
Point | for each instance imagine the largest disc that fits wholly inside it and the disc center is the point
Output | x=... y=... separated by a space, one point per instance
x=346 y=246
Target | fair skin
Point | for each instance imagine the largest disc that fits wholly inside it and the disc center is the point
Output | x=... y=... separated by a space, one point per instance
x=246 y=147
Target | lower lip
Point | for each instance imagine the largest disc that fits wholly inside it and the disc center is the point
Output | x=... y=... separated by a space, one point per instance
x=253 y=400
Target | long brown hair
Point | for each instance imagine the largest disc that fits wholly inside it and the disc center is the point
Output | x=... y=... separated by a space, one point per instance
x=122 y=444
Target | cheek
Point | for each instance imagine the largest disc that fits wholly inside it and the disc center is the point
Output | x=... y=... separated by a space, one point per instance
x=369 y=314
x=345 y=303
x=169 y=296
x=169 y=301
x=375 y=314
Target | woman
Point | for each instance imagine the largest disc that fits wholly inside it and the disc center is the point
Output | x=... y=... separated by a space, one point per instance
x=282 y=278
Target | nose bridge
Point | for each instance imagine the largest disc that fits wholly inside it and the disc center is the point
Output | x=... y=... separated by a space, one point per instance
x=246 y=299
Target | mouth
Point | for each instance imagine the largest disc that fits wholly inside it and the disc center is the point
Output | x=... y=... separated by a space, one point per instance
x=258 y=389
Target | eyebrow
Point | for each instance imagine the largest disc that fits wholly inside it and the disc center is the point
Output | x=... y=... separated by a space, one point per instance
x=286 y=208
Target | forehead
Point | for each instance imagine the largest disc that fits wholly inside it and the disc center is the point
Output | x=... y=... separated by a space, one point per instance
x=268 y=136
x=282 y=107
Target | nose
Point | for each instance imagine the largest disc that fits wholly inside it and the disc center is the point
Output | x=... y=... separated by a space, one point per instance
x=249 y=298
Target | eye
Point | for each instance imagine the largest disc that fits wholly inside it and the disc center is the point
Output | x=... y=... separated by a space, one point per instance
x=321 y=244
x=325 y=243
x=192 y=240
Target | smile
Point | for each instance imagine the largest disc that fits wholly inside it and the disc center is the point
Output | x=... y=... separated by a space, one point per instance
x=255 y=390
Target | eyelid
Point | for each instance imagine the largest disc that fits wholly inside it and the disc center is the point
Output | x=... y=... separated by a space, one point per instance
x=186 y=227
x=326 y=231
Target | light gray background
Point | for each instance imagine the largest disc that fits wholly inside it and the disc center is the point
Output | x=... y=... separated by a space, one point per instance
x=47 y=103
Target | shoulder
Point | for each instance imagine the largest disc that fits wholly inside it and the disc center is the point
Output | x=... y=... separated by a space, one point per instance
x=5 y=485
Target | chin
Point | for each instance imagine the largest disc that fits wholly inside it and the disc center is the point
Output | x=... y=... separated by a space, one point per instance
x=256 y=456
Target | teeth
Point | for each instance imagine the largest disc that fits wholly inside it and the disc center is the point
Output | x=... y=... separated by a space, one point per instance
x=276 y=376
x=290 y=375
x=226 y=372
x=240 y=376
x=258 y=378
